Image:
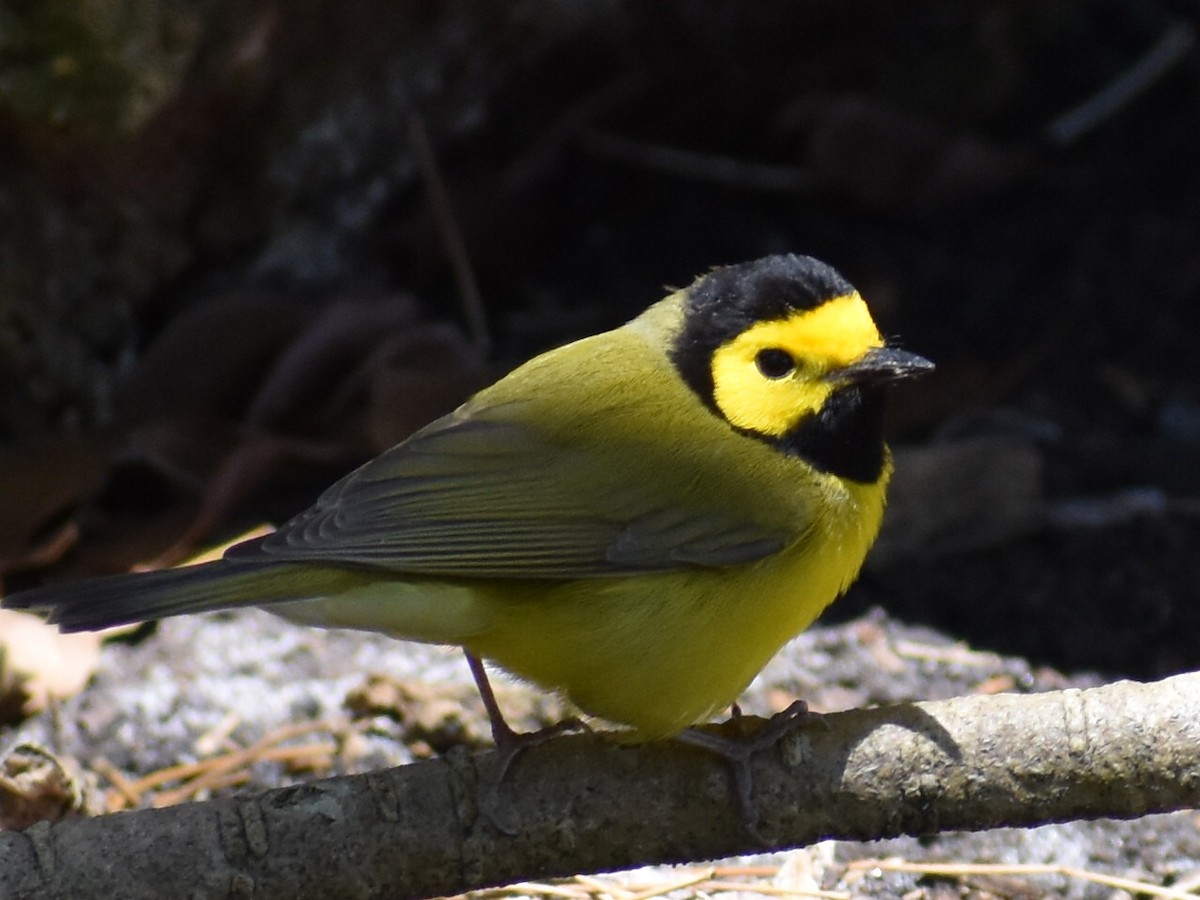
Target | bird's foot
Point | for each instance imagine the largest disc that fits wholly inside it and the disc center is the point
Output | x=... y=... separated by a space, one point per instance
x=510 y=744
x=739 y=752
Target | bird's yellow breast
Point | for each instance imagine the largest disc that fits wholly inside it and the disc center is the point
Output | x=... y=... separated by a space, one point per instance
x=661 y=652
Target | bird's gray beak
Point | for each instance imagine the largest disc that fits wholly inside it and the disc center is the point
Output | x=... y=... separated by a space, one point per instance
x=882 y=364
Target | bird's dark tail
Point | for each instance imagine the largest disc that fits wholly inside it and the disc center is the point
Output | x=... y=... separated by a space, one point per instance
x=121 y=599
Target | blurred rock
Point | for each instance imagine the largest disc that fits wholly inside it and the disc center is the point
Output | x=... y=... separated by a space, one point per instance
x=964 y=495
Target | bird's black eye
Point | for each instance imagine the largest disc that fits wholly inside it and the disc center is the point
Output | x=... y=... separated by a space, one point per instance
x=774 y=363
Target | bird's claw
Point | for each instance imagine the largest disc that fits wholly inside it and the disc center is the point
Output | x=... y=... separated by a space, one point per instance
x=510 y=745
x=739 y=752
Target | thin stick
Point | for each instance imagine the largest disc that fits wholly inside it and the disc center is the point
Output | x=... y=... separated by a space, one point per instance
x=708 y=167
x=1170 y=49
x=449 y=232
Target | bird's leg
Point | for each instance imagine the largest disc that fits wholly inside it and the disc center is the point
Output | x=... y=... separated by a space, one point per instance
x=502 y=732
x=509 y=743
x=739 y=752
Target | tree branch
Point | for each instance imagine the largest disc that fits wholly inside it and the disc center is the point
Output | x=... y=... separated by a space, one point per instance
x=582 y=803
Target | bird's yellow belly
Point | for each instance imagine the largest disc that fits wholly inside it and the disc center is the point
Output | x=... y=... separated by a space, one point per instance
x=661 y=652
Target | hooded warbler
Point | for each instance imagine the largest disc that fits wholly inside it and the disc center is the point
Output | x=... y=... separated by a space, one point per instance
x=637 y=520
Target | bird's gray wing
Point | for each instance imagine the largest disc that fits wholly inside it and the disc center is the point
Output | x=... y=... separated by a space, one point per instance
x=487 y=495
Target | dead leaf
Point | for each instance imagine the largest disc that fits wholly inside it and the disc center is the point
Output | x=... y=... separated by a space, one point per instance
x=416 y=377
x=48 y=663
x=37 y=786
x=209 y=358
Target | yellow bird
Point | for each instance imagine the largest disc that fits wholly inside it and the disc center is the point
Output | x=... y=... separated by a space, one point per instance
x=637 y=520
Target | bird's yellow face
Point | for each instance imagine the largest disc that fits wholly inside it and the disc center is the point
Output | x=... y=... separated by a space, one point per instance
x=777 y=372
x=784 y=351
